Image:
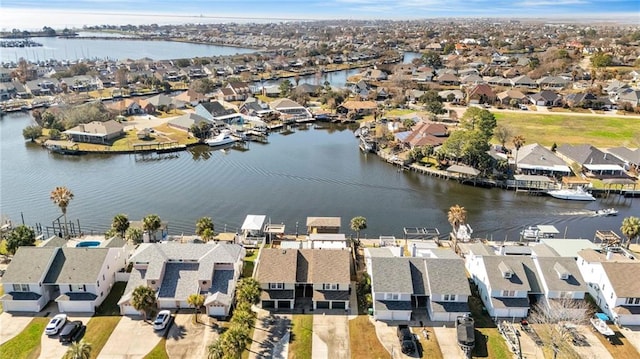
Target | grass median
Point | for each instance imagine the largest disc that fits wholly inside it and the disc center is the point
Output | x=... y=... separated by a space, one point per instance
x=25 y=345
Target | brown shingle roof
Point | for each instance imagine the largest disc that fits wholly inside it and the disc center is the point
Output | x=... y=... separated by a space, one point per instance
x=620 y=275
x=304 y=266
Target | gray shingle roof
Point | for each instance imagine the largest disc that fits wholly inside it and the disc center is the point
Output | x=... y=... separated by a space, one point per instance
x=29 y=265
x=76 y=265
x=450 y=307
x=180 y=280
x=447 y=276
x=549 y=268
x=391 y=275
x=523 y=270
x=391 y=305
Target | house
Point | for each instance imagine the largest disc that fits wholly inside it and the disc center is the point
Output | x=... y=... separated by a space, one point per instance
x=480 y=94
x=594 y=162
x=290 y=109
x=404 y=288
x=630 y=158
x=631 y=96
x=162 y=102
x=328 y=241
x=448 y=79
x=323 y=224
x=534 y=159
x=552 y=82
x=608 y=274
x=78 y=279
x=254 y=107
x=546 y=98
x=215 y=111
x=240 y=91
x=96 y=132
x=453 y=96
x=506 y=97
x=191 y=97
x=187 y=120
x=424 y=134
x=560 y=279
x=362 y=108
x=304 y=278
x=523 y=81
x=126 y=107
x=176 y=270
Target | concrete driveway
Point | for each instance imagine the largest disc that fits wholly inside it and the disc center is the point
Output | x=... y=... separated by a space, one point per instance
x=132 y=338
x=448 y=342
x=330 y=336
x=271 y=331
x=632 y=334
x=11 y=325
x=595 y=349
x=50 y=347
x=187 y=339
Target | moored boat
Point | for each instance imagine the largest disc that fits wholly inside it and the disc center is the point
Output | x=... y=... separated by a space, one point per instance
x=572 y=194
x=223 y=138
x=601 y=326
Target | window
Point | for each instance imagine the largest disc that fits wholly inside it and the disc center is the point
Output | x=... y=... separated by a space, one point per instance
x=276 y=285
x=449 y=297
x=566 y=294
x=20 y=287
x=392 y=296
x=633 y=301
x=508 y=293
x=330 y=286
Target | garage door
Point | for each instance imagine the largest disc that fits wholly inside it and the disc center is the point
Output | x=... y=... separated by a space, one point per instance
x=216 y=311
x=338 y=305
x=322 y=305
x=268 y=304
x=397 y=315
x=284 y=304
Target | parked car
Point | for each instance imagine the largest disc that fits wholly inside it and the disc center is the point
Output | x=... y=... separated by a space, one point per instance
x=55 y=324
x=71 y=331
x=162 y=319
x=407 y=340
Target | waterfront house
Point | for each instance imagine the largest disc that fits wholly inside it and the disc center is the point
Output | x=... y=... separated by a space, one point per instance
x=96 y=132
x=187 y=120
x=560 y=279
x=406 y=288
x=191 y=97
x=534 y=159
x=424 y=134
x=592 y=160
x=304 y=278
x=361 y=108
x=78 y=279
x=216 y=112
x=290 y=109
x=630 y=158
x=126 y=107
x=177 y=270
x=610 y=281
x=254 y=107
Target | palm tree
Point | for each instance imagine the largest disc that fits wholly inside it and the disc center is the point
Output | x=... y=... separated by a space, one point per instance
x=151 y=223
x=518 y=141
x=78 y=350
x=243 y=315
x=216 y=351
x=235 y=341
x=207 y=234
x=631 y=229
x=143 y=299
x=457 y=216
x=357 y=224
x=61 y=196
x=120 y=223
x=203 y=224
x=133 y=235
x=196 y=301
x=248 y=291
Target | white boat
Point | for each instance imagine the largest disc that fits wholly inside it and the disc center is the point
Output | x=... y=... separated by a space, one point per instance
x=605 y=212
x=602 y=327
x=535 y=233
x=573 y=194
x=223 y=138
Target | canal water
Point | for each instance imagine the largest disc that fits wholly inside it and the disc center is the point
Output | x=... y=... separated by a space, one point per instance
x=313 y=172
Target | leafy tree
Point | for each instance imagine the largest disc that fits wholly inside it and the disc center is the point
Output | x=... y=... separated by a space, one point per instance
x=203 y=86
x=248 y=290
x=201 y=131
x=110 y=233
x=183 y=62
x=435 y=107
x=32 y=132
x=534 y=62
x=601 y=59
x=134 y=235
x=20 y=236
x=408 y=123
x=143 y=299
x=61 y=196
x=631 y=229
x=151 y=223
x=432 y=59
x=78 y=350
x=120 y=223
x=357 y=224
x=448 y=48
x=453 y=145
x=196 y=301
x=480 y=119
x=285 y=88
x=54 y=134
x=502 y=134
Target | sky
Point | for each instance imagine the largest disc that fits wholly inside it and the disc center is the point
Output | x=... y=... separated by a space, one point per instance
x=33 y=14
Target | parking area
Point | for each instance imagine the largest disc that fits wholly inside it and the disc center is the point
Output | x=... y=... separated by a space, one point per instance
x=187 y=339
x=448 y=342
x=632 y=334
x=270 y=331
x=132 y=338
x=388 y=337
x=331 y=336
x=50 y=346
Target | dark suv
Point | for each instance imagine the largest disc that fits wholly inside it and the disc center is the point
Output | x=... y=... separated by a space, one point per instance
x=71 y=331
x=407 y=340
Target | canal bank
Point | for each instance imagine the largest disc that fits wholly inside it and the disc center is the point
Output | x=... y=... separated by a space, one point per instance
x=312 y=172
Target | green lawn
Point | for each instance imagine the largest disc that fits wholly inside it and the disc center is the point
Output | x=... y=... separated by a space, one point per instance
x=599 y=131
x=301 y=334
x=159 y=351
x=99 y=330
x=26 y=344
x=489 y=342
x=249 y=263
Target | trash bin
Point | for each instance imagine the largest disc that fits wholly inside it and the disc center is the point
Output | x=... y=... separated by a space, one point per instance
x=370 y=311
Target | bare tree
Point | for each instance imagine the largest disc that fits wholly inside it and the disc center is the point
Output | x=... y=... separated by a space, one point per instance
x=558 y=319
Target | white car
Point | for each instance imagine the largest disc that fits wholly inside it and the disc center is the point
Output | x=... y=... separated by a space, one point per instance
x=55 y=324
x=162 y=319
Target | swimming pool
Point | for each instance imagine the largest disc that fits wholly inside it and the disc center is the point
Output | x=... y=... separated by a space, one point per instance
x=86 y=244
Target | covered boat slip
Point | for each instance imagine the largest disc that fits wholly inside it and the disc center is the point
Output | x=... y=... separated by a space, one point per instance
x=531 y=182
x=252 y=231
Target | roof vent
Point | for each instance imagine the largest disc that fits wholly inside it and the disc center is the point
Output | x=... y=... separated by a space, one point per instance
x=563 y=273
x=506 y=271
